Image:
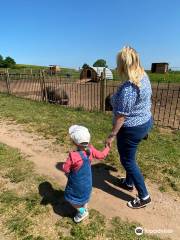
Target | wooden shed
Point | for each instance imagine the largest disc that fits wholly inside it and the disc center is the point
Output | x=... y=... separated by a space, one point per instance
x=159 y=67
x=2 y=72
x=94 y=73
x=53 y=69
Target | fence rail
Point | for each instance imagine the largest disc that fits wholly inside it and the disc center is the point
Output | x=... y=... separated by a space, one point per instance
x=89 y=95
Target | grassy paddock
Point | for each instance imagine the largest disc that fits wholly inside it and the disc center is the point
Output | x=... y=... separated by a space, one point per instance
x=25 y=68
x=172 y=76
x=24 y=216
x=158 y=157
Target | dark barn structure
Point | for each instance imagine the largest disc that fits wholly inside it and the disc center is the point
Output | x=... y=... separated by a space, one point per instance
x=159 y=67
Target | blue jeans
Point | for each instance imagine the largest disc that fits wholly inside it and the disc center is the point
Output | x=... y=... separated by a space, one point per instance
x=128 y=139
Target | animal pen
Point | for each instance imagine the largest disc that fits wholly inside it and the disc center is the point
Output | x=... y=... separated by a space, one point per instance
x=91 y=96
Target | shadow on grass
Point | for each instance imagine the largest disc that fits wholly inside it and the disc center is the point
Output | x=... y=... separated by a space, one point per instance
x=56 y=199
x=104 y=180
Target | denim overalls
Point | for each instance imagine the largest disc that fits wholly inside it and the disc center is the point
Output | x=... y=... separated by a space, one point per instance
x=79 y=185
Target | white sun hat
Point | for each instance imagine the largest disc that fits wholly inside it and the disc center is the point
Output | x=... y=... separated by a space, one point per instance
x=79 y=134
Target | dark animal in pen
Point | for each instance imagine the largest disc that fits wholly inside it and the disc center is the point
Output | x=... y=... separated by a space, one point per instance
x=108 y=106
x=58 y=96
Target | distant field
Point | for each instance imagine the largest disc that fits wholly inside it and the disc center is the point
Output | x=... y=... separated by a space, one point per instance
x=26 y=69
x=167 y=77
x=25 y=66
x=173 y=76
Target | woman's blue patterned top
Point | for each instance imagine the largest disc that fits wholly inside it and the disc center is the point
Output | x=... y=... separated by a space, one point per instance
x=133 y=102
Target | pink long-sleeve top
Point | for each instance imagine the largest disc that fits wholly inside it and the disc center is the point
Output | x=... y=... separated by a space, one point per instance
x=74 y=160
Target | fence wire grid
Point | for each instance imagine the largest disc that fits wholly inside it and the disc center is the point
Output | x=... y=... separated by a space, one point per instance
x=91 y=96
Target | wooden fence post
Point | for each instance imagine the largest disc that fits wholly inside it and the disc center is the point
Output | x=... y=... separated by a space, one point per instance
x=101 y=87
x=7 y=81
x=42 y=84
x=103 y=90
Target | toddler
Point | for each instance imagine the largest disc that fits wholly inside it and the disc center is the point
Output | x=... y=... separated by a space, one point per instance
x=78 y=169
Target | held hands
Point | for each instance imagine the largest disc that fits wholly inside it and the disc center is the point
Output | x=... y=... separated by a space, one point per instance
x=109 y=140
x=66 y=174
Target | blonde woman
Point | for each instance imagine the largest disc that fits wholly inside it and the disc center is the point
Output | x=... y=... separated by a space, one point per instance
x=132 y=120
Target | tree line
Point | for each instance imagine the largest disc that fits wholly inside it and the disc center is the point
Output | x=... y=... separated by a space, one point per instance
x=97 y=63
x=7 y=62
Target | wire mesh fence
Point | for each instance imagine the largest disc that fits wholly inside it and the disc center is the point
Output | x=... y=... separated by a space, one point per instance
x=88 y=95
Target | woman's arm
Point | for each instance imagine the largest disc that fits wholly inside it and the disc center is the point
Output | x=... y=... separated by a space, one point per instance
x=122 y=102
x=119 y=120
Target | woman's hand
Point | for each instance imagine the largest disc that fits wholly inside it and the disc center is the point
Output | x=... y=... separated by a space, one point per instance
x=119 y=120
x=109 y=141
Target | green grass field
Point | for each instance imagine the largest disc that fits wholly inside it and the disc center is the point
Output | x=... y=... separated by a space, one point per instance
x=29 y=66
x=158 y=157
x=172 y=77
x=26 y=68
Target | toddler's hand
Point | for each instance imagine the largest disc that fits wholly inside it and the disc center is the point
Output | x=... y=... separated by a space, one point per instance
x=67 y=174
x=109 y=141
x=107 y=145
x=59 y=165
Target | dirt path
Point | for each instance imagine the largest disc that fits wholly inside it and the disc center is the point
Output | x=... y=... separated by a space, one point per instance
x=163 y=214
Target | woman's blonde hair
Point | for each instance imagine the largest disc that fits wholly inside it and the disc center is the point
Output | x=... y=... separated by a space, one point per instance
x=129 y=67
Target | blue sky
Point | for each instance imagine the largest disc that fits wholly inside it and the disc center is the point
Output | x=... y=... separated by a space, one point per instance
x=72 y=32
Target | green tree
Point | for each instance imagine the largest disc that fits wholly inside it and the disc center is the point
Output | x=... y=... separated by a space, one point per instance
x=1 y=61
x=100 y=63
x=9 y=62
x=85 y=65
